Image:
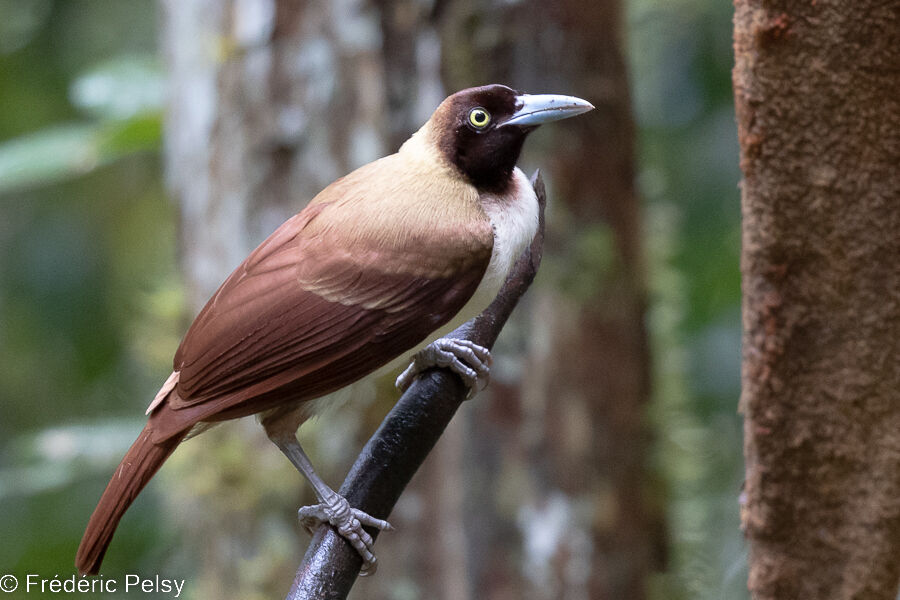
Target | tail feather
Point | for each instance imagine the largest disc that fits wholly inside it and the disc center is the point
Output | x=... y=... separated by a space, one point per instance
x=141 y=462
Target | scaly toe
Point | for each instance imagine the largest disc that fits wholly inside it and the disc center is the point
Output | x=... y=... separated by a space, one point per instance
x=464 y=357
x=348 y=522
x=370 y=521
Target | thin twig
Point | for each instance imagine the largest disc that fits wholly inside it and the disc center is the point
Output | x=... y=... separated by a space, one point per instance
x=406 y=436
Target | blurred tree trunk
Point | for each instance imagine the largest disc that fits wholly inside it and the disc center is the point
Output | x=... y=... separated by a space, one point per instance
x=818 y=104
x=561 y=444
x=270 y=101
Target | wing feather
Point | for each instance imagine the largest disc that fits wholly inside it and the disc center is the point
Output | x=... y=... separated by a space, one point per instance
x=337 y=291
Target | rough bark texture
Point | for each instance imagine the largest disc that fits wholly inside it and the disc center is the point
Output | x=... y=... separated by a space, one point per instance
x=817 y=89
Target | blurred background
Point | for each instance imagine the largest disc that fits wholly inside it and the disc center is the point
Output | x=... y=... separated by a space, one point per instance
x=146 y=147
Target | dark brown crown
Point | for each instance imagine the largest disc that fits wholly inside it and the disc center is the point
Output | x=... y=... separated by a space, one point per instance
x=486 y=156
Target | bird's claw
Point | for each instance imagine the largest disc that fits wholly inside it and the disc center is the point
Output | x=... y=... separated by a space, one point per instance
x=465 y=358
x=348 y=522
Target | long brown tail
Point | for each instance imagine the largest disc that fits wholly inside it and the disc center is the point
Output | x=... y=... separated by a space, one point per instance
x=141 y=462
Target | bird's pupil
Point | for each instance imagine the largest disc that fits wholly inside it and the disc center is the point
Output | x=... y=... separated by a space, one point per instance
x=478 y=117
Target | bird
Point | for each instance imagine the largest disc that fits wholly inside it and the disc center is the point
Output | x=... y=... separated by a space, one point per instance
x=381 y=263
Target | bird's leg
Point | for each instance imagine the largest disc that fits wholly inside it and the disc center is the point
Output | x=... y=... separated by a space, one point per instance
x=332 y=507
x=467 y=359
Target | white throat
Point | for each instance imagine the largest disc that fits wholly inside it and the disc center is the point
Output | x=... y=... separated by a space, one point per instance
x=514 y=217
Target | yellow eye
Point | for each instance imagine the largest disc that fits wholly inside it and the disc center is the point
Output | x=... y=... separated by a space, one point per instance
x=479 y=118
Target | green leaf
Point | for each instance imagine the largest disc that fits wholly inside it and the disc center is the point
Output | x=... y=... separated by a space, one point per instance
x=20 y=22
x=55 y=457
x=48 y=156
x=72 y=150
x=138 y=134
x=121 y=88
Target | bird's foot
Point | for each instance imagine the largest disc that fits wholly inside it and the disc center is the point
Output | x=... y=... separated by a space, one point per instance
x=348 y=522
x=467 y=359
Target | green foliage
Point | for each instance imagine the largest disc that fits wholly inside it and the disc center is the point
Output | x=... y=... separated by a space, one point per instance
x=123 y=97
x=52 y=458
x=85 y=229
x=680 y=55
x=120 y=88
x=47 y=156
x=591 y=261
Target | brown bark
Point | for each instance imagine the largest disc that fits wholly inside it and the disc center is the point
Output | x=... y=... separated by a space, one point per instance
x=817 y=89
x=573 y=427
x=607 y=380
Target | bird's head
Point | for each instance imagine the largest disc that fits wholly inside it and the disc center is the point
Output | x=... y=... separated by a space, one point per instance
x=481 y=130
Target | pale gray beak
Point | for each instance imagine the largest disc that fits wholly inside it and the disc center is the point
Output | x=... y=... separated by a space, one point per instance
x=536 y=109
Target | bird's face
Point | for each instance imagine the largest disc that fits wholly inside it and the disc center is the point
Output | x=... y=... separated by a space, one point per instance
x=481 y=130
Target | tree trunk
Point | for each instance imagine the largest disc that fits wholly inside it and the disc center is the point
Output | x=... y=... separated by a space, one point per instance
x=270 y=101
x=818 y=105
x=570 y=433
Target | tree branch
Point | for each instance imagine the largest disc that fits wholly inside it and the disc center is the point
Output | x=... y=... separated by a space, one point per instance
x=406 y=436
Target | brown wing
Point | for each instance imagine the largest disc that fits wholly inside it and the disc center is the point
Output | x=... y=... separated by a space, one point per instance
x=362 y=275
